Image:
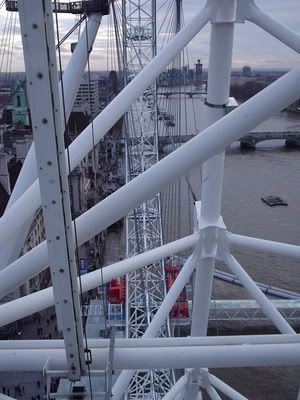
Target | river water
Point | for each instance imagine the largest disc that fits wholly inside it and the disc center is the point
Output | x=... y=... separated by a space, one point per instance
x=272 y=169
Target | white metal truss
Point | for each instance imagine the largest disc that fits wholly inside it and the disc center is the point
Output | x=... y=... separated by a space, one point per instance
x=145 y=289
x=210 y=241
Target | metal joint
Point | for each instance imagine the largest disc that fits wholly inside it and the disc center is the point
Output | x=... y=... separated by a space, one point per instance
x=204 y=378
x=215 y=105
x=223 y=11
x=213 y=241
x=88 y=356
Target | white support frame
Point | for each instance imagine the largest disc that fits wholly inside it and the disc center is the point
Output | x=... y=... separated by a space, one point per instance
x=80 y=147
x=231 y=356
x=212 y=241
x=37 y=29
x=117 y=205
x=218 y=88
x=226 y=389
x=212 y=140
x=172 y=342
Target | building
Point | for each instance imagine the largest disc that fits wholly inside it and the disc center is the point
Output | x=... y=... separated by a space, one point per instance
x=198 y=73
x=88 y=93
x=20 y=114
x=4 y=181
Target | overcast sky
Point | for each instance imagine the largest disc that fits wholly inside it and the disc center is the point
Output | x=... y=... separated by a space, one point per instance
x=252 y=46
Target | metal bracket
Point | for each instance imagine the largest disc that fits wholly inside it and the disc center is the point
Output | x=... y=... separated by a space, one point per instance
x=244 y=10
x=223 y=245
x=88 y=356
x=204 y=378
x=229 y=11
x=47 y=367
x=193 y=385
x=223 y=11
x=213 y=240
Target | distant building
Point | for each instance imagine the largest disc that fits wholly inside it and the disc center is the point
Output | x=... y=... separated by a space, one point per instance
x=22 y=147
x=238 y=80
x=37 y=231
x=247 y=71
x=4 y=181
x=4 y=175
x=294 y=106
x=35 y=236
x=88 y=93
x=198 y=73
x=20 y=114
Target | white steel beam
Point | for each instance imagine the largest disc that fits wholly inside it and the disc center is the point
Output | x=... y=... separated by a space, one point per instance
x=272 y=26
x=173 y=342
x=219 y=73
x=231 y=356
x=180 y=396
x=272 y=99
x=176 y=388
x=32 y=303
x=68 y=87
x=36 y=260
x=225 y=388
x=211 y=141
x=214 y=139
x=75 y=68
x=81 y=146
x=4 y=397
x=36 y=20
x=265 y=304
x=221 y=44
x=257 y=244
x=213 y=394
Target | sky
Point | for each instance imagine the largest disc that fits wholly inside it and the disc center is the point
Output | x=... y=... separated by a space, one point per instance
x=252 y=46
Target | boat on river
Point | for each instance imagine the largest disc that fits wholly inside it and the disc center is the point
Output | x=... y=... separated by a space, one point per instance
x=274 y=201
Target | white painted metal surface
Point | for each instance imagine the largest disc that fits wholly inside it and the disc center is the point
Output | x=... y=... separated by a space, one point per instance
x=37 y=31
x=261 y=299
x=210 y=241
x=156 y=358
x=220 y=60
x=34 y=262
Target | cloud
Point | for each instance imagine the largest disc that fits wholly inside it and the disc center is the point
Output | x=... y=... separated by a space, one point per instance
x=251 y=45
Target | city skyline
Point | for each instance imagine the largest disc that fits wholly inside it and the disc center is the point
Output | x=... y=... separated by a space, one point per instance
x=252 y=46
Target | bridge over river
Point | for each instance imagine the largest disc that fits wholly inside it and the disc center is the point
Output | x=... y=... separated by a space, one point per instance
x=292 y=138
